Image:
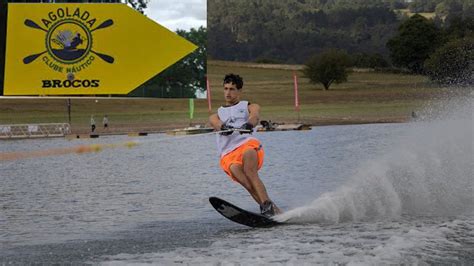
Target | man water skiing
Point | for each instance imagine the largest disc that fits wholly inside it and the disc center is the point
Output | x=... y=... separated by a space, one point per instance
x=241 y=155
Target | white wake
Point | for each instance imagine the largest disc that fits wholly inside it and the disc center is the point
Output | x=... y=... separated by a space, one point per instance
x=429 y=172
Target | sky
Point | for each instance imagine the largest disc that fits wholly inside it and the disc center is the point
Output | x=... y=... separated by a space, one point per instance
x=178 y=14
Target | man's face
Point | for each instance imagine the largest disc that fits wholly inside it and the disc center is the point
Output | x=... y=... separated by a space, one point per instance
x=231 y=93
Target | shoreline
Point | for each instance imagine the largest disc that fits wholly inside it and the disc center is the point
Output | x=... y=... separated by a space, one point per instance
x=163 y=128
x=366 y=98
x=135 y=129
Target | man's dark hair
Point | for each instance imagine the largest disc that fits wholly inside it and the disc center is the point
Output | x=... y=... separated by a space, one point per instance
x=236 y=79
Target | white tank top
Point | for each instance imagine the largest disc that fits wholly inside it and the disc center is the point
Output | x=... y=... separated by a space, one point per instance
x=236 y=116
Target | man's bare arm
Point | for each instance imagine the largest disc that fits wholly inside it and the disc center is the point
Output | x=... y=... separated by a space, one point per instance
x=216 y=123
x=254 y=114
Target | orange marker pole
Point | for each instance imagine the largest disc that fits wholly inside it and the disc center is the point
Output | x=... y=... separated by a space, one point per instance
x=297 y=101
x=208 y=95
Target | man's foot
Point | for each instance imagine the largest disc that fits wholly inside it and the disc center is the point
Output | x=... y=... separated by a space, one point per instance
x=268 y=208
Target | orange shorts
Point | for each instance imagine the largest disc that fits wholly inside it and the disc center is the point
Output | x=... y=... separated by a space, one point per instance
x=236 y=156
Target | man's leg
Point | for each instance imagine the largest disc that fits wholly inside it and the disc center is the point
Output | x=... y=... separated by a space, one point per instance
x=250 y=167
x=247 y=176
x=238 y=172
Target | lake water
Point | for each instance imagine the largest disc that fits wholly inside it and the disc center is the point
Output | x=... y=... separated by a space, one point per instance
x=357 y=195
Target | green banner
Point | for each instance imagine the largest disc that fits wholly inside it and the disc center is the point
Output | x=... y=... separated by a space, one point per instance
x=191 y=108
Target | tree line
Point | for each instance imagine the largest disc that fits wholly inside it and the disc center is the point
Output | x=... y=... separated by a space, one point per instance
x=290 y=31
x=443 y=8
x=360 y=33
x=445 y=54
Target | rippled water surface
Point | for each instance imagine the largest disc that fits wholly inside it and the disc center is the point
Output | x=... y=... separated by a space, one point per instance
x=361 y=194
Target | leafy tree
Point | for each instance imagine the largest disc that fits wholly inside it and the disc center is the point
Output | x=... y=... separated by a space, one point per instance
x=398 y=4
x=290 y=31
x=139 y=5
x=185 y=77
x=327 y=68
x=453 y=63
x=418 y=6
x=459 y=28
x=442 y=8
x=364 y=60
x=417 y=38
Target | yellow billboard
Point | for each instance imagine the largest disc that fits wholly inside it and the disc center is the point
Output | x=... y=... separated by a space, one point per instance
x=83 y=49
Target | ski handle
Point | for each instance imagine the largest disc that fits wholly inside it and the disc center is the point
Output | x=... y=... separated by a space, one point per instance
x=249 y=131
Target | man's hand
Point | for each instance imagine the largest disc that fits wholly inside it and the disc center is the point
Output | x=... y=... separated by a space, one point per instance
x=226 y=127
x=246 y=126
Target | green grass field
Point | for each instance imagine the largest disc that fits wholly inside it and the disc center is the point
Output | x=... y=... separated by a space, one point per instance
x=367 y=97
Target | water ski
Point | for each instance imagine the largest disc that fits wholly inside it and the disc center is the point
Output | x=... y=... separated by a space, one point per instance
x=241 y=216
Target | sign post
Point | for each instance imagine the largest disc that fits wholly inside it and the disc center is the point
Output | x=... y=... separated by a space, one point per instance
x=209 y=107
x=69 y=110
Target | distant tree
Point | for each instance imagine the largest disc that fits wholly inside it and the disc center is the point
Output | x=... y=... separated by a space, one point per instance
x=290 y=31
x=468 y=9
x=398 y=4
x=378 y=61
x=453 y=63
x=417 y=38
x=327 y=68
x=459 y=28
x=418 y=6
x=461 y=8
x=139 y=5
x=364 y=60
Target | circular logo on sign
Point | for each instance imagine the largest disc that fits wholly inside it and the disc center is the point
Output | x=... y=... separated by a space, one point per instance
x=68 y=41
